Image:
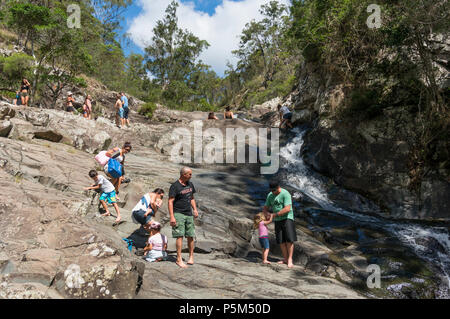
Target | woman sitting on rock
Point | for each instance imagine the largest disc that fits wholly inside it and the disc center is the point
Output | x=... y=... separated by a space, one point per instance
x=147 y=207
x=118 y=154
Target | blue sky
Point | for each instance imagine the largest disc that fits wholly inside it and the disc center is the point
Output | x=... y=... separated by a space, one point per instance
x=207 y=6
x=220 y=22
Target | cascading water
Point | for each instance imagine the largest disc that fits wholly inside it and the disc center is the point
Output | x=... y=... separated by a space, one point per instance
x=300 y=177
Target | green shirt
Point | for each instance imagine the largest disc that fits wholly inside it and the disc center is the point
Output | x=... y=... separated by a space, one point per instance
x=278 y=202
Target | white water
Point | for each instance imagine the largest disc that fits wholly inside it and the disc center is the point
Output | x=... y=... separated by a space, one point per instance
x=302 y=178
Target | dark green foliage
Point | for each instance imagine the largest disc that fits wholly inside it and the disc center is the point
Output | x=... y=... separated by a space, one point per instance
x=14 y=68
x=147 y=109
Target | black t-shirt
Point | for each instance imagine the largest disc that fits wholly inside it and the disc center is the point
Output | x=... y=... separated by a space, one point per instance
x=183 y=196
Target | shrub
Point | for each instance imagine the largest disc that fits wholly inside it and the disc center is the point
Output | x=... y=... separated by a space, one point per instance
x=15 y=67
x=147 y=109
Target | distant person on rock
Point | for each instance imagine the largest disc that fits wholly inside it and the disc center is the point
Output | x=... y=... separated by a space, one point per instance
x=120 y=121
x=148 y=206
x=280 y=202
x=228 y=115
x=212 y=116
x=285 y=115
x=87 y=107
x=18 y=100
x=126 y=110
x=69 y=102
x=118 y=154
x=25 y=91
x=156 y=244
x=181 y=203
x=107 y=193
x=260 y=222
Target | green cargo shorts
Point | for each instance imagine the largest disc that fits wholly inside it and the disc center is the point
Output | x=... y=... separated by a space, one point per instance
x=185 y=226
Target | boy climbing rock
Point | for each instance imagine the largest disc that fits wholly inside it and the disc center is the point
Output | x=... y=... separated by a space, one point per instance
x=108 y=193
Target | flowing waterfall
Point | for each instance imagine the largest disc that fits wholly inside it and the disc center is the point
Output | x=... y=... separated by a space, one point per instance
x=304 y=179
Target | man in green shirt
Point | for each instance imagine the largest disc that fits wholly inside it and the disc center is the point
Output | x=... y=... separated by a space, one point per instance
x=280 y=202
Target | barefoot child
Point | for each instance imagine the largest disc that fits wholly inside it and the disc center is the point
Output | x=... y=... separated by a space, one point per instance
x=108 y=193
x=156 y=245
x=261 y=221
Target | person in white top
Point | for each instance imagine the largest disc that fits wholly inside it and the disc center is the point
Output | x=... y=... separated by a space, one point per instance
x=156 y=244
x=147 y=207
x=285 y=115
x=108 y=193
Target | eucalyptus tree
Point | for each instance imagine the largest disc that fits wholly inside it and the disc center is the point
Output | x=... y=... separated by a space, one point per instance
x=172 y=56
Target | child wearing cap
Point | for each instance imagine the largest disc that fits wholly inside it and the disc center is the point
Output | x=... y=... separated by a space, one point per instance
x=156 y=245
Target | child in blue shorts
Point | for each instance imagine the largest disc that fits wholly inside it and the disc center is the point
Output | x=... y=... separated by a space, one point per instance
x=108 y=193
x=261 y=221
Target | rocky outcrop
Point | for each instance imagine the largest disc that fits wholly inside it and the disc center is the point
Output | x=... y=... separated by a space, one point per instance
x=375 y=157
x=365 y=161
x=47 y=250
x=5 y=128
x=55 y=244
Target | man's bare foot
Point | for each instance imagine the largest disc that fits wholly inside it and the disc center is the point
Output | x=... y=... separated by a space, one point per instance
x=118 y=219
x=106 y=214
x=266 y=262
x=190 y=262
x=290 y=265
x=181 y=264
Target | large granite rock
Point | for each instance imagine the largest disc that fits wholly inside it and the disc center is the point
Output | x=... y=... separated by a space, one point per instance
x=55 y=244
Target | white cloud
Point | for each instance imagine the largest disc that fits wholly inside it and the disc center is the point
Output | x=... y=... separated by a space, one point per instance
x=221 y=29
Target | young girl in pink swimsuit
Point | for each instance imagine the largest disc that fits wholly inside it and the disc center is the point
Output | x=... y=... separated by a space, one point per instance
x=261 y=221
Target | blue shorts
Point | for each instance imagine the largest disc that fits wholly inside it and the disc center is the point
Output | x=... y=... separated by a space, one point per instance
x=264 y=242
x=121 y=113
x=288 y=116
x=110 y=197
x=138 y=217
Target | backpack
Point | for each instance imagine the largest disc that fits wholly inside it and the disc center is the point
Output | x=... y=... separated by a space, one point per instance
x=114 y=168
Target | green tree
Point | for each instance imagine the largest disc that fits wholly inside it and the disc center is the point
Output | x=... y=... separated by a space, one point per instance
x=26 y=18
x=263 y=40
x=135 y=75
x=13 y=68
x=172 y=56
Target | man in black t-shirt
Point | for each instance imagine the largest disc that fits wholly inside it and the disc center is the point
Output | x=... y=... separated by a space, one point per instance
x=181 y=202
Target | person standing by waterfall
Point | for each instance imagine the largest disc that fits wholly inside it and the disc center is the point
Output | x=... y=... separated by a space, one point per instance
x=181 y=203
x=280 y=202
